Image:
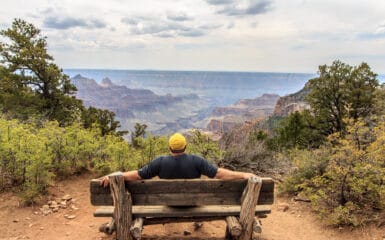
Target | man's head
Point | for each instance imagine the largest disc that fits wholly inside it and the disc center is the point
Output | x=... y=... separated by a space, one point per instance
x=177 y=143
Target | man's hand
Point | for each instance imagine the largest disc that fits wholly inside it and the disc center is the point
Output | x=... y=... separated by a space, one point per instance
x=247 y=175
x=105 y=181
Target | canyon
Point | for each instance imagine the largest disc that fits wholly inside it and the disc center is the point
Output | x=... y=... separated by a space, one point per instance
x=167 y=113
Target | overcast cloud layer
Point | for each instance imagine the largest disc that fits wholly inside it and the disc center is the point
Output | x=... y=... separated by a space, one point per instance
x=230 y=35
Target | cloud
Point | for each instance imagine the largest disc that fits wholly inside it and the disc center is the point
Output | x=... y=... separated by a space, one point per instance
x=219 y=2
x=378 y=33
x=192 y=33
x=166 y=28
x=179 y=17
x=210 y=26
x=240 y=8
x=380 y=29
x=70 y=22
x=251 y=7
x=230 y=25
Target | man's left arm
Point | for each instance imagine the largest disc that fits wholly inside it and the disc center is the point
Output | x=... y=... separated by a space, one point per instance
x=226 y=174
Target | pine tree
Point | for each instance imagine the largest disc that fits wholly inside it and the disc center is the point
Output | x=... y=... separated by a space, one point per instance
x=26 y=65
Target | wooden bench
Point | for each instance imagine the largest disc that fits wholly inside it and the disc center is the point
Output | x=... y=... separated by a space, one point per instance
x=239 y=202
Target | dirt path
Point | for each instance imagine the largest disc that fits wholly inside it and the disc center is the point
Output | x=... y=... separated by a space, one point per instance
x=16 y=222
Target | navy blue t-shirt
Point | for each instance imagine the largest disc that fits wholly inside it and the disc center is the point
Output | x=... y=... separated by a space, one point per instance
x=174 y=167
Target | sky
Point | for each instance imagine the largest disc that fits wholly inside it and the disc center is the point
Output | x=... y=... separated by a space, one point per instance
x=213 y=35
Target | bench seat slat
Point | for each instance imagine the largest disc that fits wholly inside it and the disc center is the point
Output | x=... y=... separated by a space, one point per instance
x=166 y=211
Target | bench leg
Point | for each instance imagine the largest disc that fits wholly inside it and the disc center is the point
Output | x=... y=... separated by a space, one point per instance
x=122 y=206
x=108 y=228
x=136 y=228
x=228 y=235
x=248 y=202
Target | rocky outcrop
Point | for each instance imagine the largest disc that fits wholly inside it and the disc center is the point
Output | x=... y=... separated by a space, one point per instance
x=291 y=103
x=119 y=99
x=224 y=118
x=163 y=114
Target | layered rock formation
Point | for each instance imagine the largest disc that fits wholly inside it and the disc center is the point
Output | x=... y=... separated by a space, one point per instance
x=224 y=118
x=163 y=114
x=119 y=99
x=292 y=102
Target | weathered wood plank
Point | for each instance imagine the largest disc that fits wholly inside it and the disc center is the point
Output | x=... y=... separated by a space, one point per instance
x=187 y=199
x=181 y=185
x=177 y=212
x=249 y=201
x=181 y=199
x=183 y=192
x=122 y=206
x=165 y=220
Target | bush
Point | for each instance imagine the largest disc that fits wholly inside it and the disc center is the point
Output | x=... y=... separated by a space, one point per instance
x=345 y=179
x=306 y=165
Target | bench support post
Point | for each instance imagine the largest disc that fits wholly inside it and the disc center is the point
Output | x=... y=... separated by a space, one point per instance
x=136 y=228
x=248 y=203
x=233 y=226
x=122 y=206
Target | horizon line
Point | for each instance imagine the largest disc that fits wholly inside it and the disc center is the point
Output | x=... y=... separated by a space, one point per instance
x=184 y=70
x=218 y=71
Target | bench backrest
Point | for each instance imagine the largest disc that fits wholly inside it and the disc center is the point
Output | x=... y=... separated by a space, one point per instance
x=183 y=192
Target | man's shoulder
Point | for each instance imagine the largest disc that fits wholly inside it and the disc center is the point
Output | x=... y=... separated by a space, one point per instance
x=160 y=158
x=195 y=157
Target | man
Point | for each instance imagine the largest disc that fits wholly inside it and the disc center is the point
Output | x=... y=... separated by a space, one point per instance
x=180 y=166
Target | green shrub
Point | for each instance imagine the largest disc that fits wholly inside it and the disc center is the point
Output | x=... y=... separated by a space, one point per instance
x=344 y=179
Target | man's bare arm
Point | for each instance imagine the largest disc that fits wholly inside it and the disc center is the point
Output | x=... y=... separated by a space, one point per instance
x=128 y=176
x=226 y=174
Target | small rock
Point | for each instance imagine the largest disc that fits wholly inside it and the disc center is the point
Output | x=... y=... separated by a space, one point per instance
x=41 y=228
x=186 y=232
x=66 y=198
x=67 y=234
x=74 y=207
x=91 y=225
x=45 y=207
x=53 y=204
x=63 y=204
x=197 y=225
x=27 y=218
x=36 y=213
x=30 y=225
x=283 y=207
x=70 y=216
x=45 y=210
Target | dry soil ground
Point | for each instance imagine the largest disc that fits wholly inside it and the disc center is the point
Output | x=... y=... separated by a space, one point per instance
x=297 y=222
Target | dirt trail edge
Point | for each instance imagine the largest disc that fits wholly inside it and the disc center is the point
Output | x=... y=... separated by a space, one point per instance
x=73 y=219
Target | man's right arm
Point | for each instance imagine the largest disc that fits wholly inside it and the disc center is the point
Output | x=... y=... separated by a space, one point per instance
x=128 y=176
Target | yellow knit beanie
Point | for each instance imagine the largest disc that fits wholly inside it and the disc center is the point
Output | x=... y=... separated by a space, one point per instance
x=177 y=142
